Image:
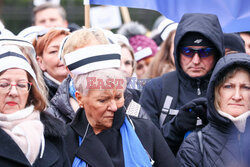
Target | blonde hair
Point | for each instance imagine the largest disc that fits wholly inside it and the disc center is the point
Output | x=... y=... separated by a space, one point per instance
x=81 y=38
x=220 y=83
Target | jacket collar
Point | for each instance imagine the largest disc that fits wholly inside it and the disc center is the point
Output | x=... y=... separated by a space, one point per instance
x=91 y=145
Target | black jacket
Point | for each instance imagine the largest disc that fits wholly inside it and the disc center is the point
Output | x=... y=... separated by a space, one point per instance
x=223 y=144
x=60 y=106
x=54 y=153
x=51 y=85
x=162 y=97
x=105 y=149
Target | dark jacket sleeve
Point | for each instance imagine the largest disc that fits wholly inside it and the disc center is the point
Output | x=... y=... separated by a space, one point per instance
x=154 y=143
x=172 y=136
x=189 y=154
x=150 y=99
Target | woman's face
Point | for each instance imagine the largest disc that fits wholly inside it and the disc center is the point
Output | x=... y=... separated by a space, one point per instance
x=126 y=62
x=50 y=62
x=16 y=98
x=235 y=94
x=141 y=68
x=100 y=106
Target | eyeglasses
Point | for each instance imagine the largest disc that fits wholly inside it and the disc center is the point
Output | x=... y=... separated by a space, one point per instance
x=23 y=86
x=202 y=52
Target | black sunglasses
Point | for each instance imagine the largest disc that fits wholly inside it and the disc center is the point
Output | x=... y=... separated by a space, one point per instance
x=202 y=52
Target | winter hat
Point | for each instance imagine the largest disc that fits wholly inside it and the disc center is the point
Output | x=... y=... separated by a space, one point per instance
x=143 y=46
x=195 y=39
x=93 y=58
x=234 y=42
x=12 y=57
x=165 y=27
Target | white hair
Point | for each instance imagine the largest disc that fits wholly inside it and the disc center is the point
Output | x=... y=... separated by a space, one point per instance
x=84 y=82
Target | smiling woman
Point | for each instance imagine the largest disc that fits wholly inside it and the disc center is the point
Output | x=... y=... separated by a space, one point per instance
x=225 y=140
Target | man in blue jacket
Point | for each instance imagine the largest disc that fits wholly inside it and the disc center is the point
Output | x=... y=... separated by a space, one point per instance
x=197 y=47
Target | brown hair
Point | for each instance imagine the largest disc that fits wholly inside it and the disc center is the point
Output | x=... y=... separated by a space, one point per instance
x=162 y=61
x=42 y=42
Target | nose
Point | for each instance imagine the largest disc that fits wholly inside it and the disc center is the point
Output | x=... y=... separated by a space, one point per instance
x=13 y=91
x=112 y=106
x=122 y=67
x=196 y=58
x=237 y=95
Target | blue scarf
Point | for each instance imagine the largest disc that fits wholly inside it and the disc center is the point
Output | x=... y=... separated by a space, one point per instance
x=134 y=153
x=72 y=89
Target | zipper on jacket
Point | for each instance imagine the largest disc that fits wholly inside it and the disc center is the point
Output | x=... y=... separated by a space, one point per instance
x=198 y=88
x=240 y=147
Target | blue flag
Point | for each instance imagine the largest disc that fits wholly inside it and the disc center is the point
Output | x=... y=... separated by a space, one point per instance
x=234 y=15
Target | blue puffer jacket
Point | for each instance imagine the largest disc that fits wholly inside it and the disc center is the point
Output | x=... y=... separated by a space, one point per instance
x=223 y=144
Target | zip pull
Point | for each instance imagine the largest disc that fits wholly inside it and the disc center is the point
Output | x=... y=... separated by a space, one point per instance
x=198 y=91
x=198 y=88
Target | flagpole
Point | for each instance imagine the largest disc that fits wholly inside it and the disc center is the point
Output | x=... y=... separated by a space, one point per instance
x=125 y=14
x=86 y=13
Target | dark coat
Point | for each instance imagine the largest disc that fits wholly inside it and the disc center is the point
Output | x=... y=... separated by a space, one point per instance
x=51 y=85
x=54 y=154
x=178 y=85
x=223 y=144
x=105 y=149
x=60 y=106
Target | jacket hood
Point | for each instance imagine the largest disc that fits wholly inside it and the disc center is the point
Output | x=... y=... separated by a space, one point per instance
x=221 y=69
x=207 y=25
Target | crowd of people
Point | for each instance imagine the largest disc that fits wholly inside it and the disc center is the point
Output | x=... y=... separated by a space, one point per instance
x=77 y=96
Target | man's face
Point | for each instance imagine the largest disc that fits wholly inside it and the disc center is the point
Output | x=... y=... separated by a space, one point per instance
x=246 y=38
x=197 y=61
x=50 y=18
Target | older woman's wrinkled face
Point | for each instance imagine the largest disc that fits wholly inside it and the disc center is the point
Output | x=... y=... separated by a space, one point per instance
x=235 y=94
x=13 y=92
x=100 y=106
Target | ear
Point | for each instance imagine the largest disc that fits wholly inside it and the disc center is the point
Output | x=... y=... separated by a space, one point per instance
x=79 y=99
x=40 y=63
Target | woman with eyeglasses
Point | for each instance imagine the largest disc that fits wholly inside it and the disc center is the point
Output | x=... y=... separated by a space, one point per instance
x=29 y=135
x=47 y=47
x=224 y=141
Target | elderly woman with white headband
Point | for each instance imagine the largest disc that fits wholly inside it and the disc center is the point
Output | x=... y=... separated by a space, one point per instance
x=29 y=136
x=101 y=133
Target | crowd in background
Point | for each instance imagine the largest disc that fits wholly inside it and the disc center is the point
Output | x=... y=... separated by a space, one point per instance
x=77 y=96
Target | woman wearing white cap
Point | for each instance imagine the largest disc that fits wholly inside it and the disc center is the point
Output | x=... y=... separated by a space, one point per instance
x=29 y=136
x=101 y=133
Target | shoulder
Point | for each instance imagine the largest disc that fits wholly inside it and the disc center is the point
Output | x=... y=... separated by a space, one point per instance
x=144 y=127
x=53 y=127
x=189 y=152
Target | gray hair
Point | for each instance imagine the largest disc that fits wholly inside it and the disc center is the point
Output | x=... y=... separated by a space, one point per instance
x=84 y=82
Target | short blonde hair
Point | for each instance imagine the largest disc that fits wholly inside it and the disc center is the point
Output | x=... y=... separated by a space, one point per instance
x=81 y=81
x=81 y=38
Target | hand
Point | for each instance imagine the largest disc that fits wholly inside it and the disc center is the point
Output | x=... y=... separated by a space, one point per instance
x=186 y=119
x=199 y=106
